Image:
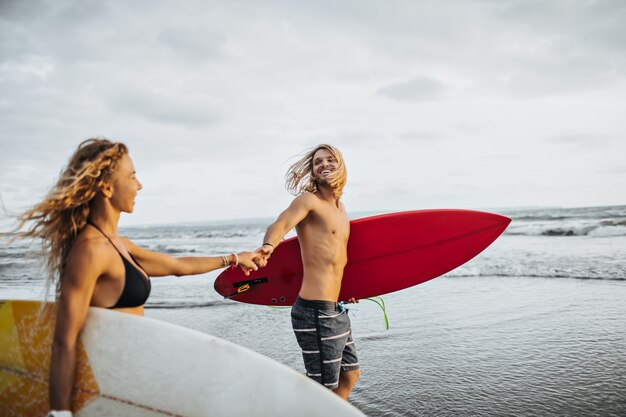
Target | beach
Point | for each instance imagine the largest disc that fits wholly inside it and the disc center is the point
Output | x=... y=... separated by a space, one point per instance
x=483 y=346
x=533 y=326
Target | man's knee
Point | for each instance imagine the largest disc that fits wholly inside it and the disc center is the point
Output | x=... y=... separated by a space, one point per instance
x=351 y=376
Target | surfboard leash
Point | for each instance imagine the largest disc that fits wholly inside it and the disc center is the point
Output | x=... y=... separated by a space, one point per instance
x=381 y=303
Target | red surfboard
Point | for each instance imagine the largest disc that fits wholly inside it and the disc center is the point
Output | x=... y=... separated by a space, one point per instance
x=386 y=253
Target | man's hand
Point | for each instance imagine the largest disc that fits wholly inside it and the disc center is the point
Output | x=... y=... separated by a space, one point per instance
x=263 y=254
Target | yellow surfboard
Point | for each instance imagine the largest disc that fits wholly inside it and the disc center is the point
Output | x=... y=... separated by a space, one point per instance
x=26 y=330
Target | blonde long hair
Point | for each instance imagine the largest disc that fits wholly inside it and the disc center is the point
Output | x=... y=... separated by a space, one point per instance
x=299 y=178
x=59 y=218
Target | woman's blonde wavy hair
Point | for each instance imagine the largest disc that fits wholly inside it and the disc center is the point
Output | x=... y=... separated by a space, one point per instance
x=299 y=178
x=59 y=218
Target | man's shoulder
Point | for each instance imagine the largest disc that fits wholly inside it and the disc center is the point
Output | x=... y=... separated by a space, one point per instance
x=306 y=198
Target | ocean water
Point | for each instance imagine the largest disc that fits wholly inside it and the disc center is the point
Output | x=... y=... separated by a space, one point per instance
x=533 y=326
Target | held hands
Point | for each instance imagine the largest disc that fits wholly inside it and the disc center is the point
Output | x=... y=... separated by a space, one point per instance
x=252 y=261
x=249 y=261
x=264 y=253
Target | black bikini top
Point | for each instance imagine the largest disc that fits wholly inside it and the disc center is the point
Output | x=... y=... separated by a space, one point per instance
x=136 y=286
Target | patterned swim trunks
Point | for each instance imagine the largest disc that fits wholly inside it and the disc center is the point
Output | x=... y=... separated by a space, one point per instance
x=323 y=332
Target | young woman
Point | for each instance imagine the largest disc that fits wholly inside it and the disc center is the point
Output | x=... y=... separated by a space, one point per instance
x=88 y=263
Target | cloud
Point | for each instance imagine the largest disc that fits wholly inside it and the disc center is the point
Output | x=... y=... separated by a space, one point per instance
x=613 y=170
x=166 y=107
x=194 y=42
x=581 y=139
x=546 y=48
x=421 y=135
x=420 y=88
x=414 y=89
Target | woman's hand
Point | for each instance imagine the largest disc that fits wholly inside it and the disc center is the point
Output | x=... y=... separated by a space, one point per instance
x=248 y=261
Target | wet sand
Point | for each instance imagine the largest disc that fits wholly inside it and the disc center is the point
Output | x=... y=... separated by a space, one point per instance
x=479 y=346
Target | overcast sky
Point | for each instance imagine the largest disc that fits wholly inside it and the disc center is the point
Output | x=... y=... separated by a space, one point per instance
x=464 y=104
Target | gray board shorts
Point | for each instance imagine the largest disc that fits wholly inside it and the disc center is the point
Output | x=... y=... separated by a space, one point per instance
x=323 y=332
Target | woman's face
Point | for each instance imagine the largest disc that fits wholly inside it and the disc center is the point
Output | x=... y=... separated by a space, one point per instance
x=125 y=185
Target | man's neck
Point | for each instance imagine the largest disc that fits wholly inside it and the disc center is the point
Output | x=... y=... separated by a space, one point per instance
x=325 y=192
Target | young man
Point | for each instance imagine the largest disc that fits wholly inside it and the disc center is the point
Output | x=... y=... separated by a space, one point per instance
x=321 y=325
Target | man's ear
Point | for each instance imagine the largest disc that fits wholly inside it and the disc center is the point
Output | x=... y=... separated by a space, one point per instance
x=107 y=189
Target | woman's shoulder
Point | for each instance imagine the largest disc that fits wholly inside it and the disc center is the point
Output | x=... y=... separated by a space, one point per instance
x=89 y=245
x=88 y=259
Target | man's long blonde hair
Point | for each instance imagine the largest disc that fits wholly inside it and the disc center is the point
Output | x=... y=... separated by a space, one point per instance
x=65 y=210
x=299 y=178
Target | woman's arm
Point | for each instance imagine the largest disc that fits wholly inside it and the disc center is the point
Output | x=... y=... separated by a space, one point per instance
x=160 y=265
x=83 y=267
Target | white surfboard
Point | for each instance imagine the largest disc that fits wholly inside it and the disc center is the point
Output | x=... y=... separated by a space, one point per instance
x=138 y=367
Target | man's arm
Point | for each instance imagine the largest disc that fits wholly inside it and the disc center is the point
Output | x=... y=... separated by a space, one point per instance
x=297 y=211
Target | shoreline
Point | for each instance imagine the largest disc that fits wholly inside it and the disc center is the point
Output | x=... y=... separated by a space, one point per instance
x=472 y=345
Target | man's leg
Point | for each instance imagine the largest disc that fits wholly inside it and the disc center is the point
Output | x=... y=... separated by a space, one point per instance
x=327 y=347
x=347 y=379
x=349 y=365
x=303 y=322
